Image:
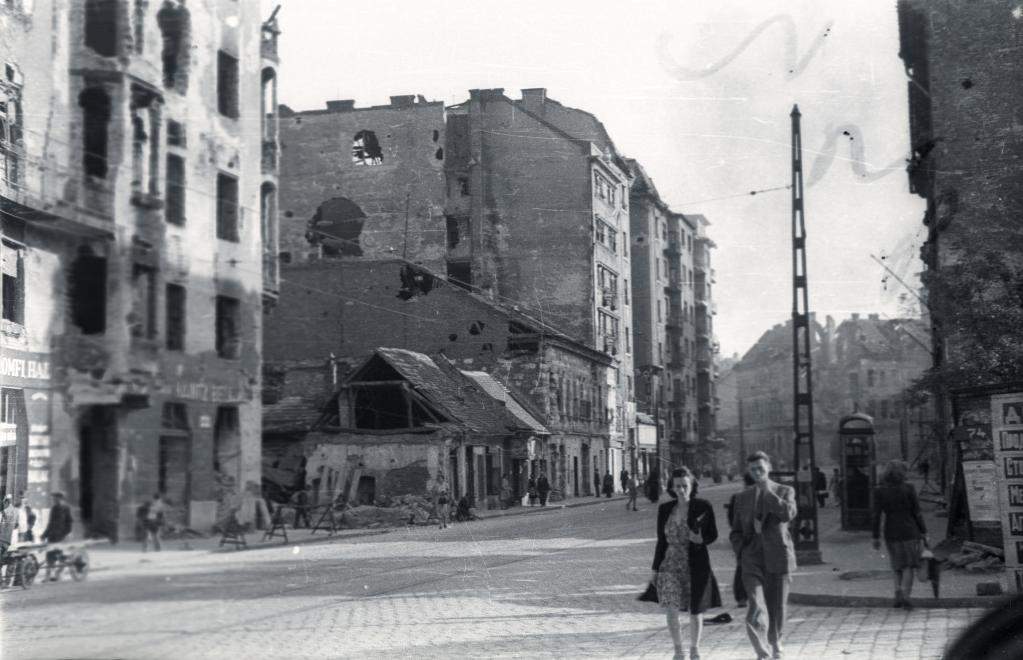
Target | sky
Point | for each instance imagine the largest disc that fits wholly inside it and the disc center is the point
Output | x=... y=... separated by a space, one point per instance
x=700 y=93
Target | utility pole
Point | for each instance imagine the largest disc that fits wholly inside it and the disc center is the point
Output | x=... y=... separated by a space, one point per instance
x=806 y=531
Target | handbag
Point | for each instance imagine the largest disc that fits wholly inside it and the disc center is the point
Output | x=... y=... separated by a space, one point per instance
x=926 y=558
x=649 y=595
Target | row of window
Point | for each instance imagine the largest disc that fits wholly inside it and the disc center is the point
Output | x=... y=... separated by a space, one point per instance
x=610 y=192
x=580 y=403
x=605 y=234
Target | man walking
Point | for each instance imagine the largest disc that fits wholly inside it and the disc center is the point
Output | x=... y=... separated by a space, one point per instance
x=763 y=547
x=57 y=529
x=153 y=523
x=632 y=488
x=543 y=487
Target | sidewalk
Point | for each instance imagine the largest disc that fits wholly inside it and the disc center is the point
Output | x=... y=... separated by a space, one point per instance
x=856 y=575
x=106 y=556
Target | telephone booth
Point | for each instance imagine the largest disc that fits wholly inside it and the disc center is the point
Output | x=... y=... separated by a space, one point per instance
x=856 y=435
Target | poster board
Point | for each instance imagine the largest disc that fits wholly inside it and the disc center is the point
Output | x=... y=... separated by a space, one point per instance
x=1007 y=431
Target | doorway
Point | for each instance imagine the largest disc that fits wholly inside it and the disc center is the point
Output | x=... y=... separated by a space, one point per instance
x=173 y=478
x=98 y=471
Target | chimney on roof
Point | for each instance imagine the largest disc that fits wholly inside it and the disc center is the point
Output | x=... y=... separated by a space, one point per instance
x=486 y=94
x=341 y=106
x=874 y=317
x=533 y=99
x=404 y=101
x=855 y=316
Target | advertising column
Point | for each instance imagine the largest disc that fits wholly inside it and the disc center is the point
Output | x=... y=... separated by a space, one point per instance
x=1007 y=428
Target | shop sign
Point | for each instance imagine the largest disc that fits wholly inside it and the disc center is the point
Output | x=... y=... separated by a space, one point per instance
x=22 y=366
x=209 y=392
x=1007 y=427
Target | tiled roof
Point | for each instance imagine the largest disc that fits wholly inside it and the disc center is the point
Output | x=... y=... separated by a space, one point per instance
x=498 y=391
x=292 y=413
x=454 y=395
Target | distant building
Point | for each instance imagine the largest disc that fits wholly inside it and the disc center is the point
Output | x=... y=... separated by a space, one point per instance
x=672 y=320
x=863 y=364
x=137 y=199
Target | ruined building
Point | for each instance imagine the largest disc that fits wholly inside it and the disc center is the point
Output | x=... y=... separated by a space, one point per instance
x=861 y=365
x=138 y=206
x=362 y=305
x=965 y=113
x=524 y=201
x=673 y=323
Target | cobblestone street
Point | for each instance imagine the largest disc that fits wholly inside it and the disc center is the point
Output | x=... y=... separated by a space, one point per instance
x=560 y=583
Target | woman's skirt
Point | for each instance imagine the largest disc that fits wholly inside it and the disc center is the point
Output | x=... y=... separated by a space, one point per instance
x=905 y=554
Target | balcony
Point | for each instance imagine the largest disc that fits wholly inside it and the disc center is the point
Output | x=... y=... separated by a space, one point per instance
x=672 y=249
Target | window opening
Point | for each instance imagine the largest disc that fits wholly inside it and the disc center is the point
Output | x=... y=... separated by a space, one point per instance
x=175 y=190
x=143 y=311
x=176 y=311
x=175 y=28
x=228 y=330
x=366 y=149
x=95 y=103
x=227 y=84
x=101 y=26
x=227 y=207
x=13 y=283
x=88 y=292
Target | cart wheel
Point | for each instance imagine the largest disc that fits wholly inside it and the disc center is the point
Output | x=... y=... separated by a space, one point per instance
x=78 y=564
x=30 y=571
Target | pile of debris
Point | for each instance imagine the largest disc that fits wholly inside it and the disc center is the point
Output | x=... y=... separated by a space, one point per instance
x=977 y=558
x=402 y=510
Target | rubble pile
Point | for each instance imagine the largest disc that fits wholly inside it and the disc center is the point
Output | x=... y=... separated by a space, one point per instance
x=403 y=510
x=977 y=558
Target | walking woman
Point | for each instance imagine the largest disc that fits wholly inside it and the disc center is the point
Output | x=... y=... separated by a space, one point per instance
x=682 y=574
x=905 y=532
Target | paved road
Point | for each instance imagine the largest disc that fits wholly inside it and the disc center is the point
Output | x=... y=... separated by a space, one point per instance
x=561 y=583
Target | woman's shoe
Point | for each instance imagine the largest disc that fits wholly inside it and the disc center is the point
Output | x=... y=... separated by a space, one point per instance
x=694 y=653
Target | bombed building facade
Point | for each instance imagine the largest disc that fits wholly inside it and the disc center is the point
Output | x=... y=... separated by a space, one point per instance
x=474 y=192
x=361 y=305
x=139 y=220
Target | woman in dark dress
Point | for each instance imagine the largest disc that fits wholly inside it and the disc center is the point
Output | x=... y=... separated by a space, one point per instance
x=904 y=529
x=682 y=574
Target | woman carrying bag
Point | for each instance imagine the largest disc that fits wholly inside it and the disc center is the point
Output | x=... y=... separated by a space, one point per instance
x=682 y=573
x=905 y=533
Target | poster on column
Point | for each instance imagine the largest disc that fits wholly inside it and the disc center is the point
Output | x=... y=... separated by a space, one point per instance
x=981 y=490
x=1007 y=430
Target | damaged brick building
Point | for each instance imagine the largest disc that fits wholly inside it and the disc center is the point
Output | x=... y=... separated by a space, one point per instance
x=361 y=305
x=475 y=192
x=673 y=324
x=138 y=205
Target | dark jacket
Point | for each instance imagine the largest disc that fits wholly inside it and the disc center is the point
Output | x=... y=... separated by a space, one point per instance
x=901 y=508
x=704 y=589
x=778 y=508
x=542 y=485
x=59 y=525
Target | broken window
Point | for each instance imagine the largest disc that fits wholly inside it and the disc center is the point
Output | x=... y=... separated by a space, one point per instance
x=175 y=190
x=386 y=406
x=13 y=283
x=366 y=149
x=176 y=134
x=95 y=103
x=143 y=307
x=227 y=441
x=227 y=207
x=101 y=26
x=175 y=27
x=268 y=232
x=228 y=329
x=10 y=128
x=337 y=226
x=463 y=186
x=460 y=274
x=227 y=84
x=176 y=300
x=88 y=293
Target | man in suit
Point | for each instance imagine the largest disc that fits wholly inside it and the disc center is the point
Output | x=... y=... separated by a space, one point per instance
x=763 y=548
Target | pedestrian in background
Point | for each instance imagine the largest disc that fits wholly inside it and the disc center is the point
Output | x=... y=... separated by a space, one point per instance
x=153 y=523
x=632 y=488
x=609 y=484
x=653 y=487
x=442 y=501
x=300 y=501
x=623 y=477
x=531 y=490
x=543 y=488
x=820 y=484
x=682 y=573
x=596 y=482
x=57 y=529
x=763 y=546
x=738 y=590
x=905 y=532
x=9 y=515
